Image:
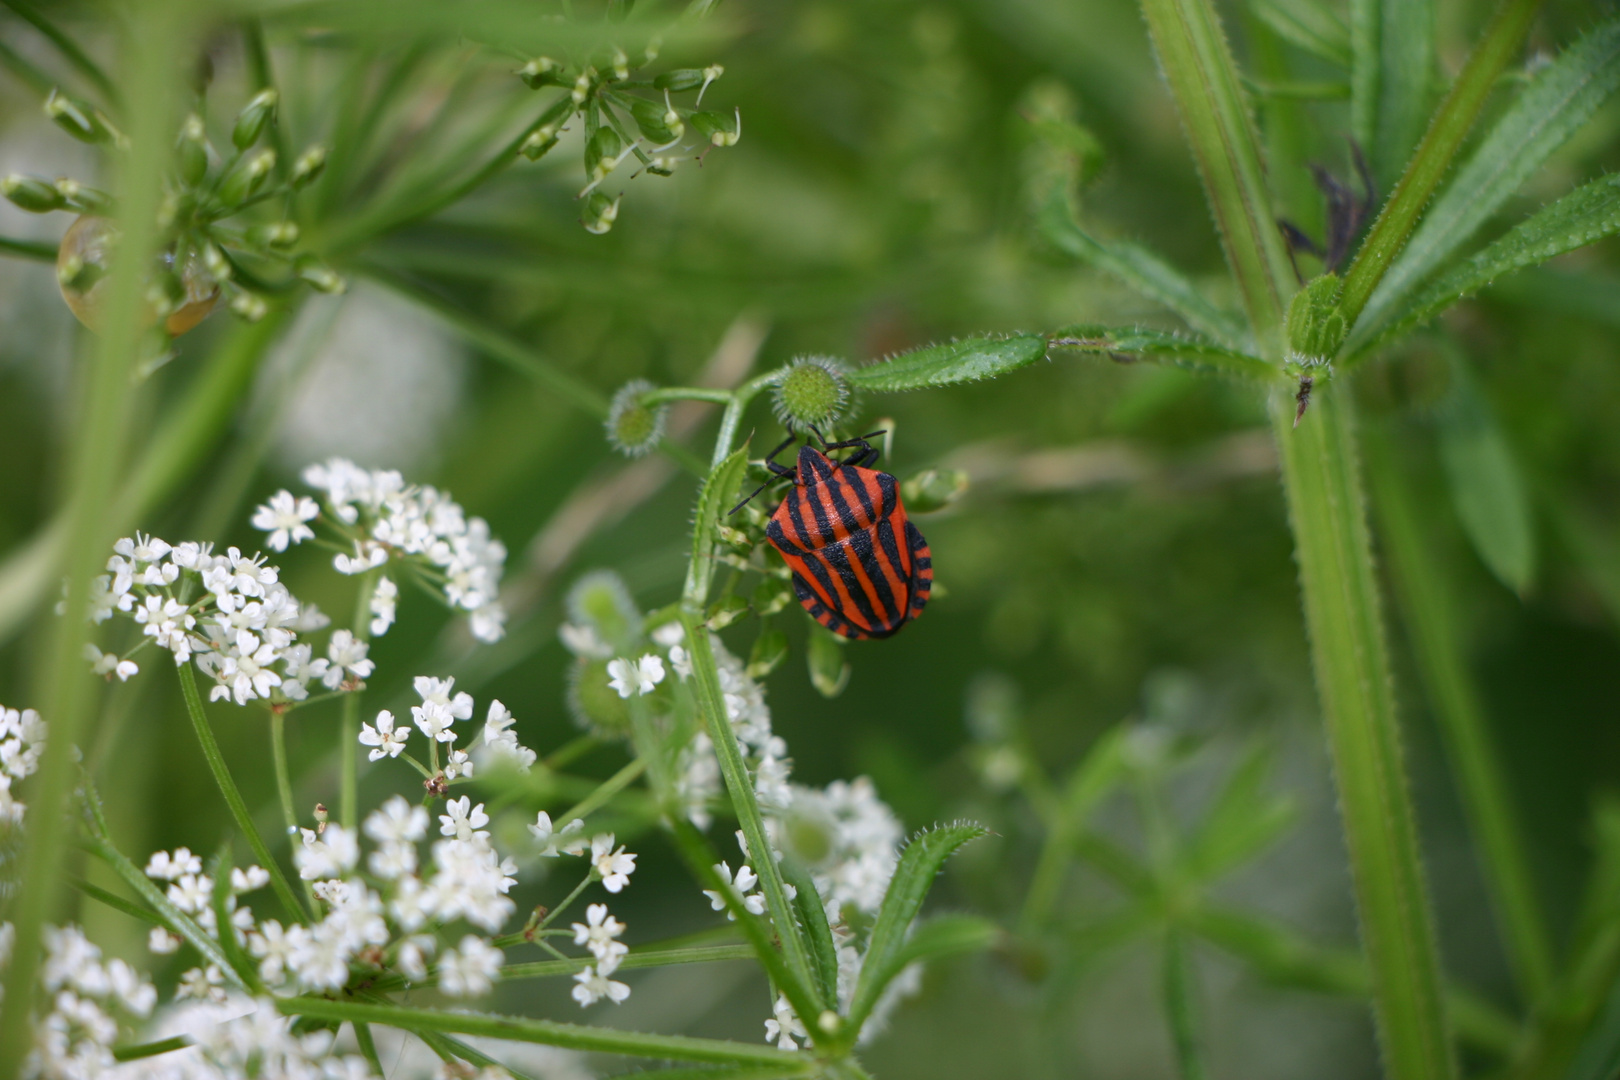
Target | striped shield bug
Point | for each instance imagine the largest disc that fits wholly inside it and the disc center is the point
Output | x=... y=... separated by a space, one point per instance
x=860 y=567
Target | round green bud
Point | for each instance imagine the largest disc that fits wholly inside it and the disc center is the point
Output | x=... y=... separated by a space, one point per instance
x=596 y=706
x=814 y=392
x=600 y=213
x=634 y=427
x=601 y=600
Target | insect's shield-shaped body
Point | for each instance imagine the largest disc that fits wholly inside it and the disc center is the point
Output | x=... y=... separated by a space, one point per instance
x=860 y=567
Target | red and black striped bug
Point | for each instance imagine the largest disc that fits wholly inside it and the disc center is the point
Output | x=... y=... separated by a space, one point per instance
x=860 y=567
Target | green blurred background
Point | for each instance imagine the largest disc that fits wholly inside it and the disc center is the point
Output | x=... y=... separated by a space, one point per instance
x=1123 y=552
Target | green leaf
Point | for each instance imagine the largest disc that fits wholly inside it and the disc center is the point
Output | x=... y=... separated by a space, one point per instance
x=913 y=877
x=240 y=962
x=1243 y=820
x=1142 y=270
x=718 y=496
x=812 y=916
x=1486 y=485
x=955 y=362
x=1092 y=780
x=934 y=939
x=1391 y=77
x=1558 y=101
x=1584 y=216
x=1311 y=26
x=1136 y=342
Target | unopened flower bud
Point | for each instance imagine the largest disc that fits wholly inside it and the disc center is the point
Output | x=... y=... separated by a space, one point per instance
x=600 y=213
x=710 y=73
x=679 y=79
x=540 y=140
x=541 y=71
x=634 y=427
x=277 y=234
x=81 y=120
x=602 y=153
x=249 y=306
x=719 y=129
x=813 y=392
x=582 y=85
x=32 y=194
x=663 y=166
x=251 y=121
x=659 y=124
x=214 y=261
x=191 y=151
x=84 y=198
x=621 y=64
x=308 y=166
x=245 y=177
x=321 y=276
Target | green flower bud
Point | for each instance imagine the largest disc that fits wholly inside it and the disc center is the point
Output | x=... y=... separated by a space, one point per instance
x=658 y=122
x=191 y=151
x=321 y=276
x=541 y=71
x=829 y=671
x=278 y=234
x=813 y=392
x=308 y=167
x=602 y=153
x=251 y=121
x=246 y=177
x=679 y=79
x=621 y=65
x=634 y=428
x=539 y=142
x=601 y=601
x=250 y=307
x=719 y=129
x=81 y=120
x=600 y=213
x=86 y=199
x=933 y=489
x=584 y=85
x=770 y=649
x=725 y=611
x=32 y=194
x=596 y=706
x=214 y=261
x=1316 y=327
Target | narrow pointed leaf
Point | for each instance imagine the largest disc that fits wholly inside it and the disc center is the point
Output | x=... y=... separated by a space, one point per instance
x=1244 y=819
x=817 y=933
x=954 y=362
x=718 y=495
x=913 y=877
x=1391 y=76
x=1486 y=485
x=1308 y=25
x=1147 y=344
x=1142 y=270
x=1584 y=216
x=947 y=935
x=1556 y=104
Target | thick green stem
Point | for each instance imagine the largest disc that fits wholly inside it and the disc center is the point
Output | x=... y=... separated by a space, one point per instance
x=233 y=796
x=1326 y=510
x=64 y=692
x=1503 y=38
x=1198 y=65
x=1422 y=589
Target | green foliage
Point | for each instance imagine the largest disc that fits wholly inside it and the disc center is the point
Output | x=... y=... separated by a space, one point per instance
x=1486 y=484
x=949 y=364
x=1188 y=351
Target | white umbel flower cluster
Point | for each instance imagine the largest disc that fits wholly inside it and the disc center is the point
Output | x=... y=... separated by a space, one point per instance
x=383 y=519
x=22 y=741
x=235 y=1037
x=87 y=1004
x=229 y=613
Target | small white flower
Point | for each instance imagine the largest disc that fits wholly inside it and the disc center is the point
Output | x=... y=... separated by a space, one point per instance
x=569 y=840
x=457 y=763
x=274 y=949
x=166 y=867
x=470 y=969
x=638 y=677
x=499 y=740
x=346 y=653
x=681 y=661
x=463 y=820
x=598 y=933
x=204 y=984
x=368 y=555
x=593 y=985
x=331 y=854
x=785 y=1026
x=614 y=867
x=397 y=822
x=161 y=942
x=388 y=740
x=669 y=635
x=414 y=953
x=246 y=879
x=383 y=603
x=744 y=880
x=584 y=641
x=284 y=518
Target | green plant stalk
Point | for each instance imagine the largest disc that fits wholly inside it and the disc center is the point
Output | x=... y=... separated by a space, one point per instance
x=1422 y=590
x=1198 y=65
x=64 y=691
x=1326 y=512
x=1180 y=1006
x=71 y=50
x=547 y=1032
x=233 y=796
x=28 y=249
x=349 y=727
x=1450 y=126
x=289 y=815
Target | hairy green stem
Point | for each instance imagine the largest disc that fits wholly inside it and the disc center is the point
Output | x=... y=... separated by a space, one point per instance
x=233 y=795
x=1503 y=38
x=64 y=692
x=1327 y=513
x=1422 y=588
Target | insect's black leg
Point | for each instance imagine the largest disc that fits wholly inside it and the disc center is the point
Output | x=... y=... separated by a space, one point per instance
x=861 y=442
x=777 y=471
x=865 y=459
x=787 y=442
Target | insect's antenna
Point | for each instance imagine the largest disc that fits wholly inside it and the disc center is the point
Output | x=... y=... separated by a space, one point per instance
x=819 y=435
x=750 y=498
